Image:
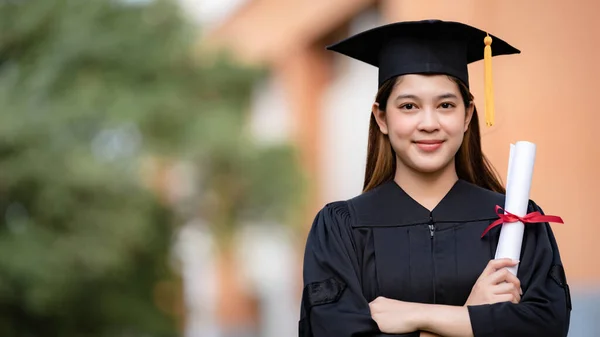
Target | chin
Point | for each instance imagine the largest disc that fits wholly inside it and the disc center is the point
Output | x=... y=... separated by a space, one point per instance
x=429 y=166
x=428 y=169
x=425 y=163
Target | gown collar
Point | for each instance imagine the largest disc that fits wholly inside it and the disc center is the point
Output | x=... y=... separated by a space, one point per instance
x=389 y=205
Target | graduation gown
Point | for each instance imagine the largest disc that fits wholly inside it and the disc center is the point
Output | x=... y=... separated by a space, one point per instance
x=384 y=243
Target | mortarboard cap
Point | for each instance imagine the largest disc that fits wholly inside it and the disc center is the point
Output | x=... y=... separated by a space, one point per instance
x=427 y=47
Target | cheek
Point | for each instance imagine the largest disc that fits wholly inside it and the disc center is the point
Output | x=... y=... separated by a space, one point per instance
x=401 y=126
x=454 y=125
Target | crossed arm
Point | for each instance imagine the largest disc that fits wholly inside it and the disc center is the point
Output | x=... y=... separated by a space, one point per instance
x=496 y=284
x=432 y=320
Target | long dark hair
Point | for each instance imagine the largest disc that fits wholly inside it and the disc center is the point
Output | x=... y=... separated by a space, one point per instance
x=471 y=164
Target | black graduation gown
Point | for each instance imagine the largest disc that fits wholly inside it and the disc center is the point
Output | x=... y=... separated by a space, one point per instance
x=384 y=243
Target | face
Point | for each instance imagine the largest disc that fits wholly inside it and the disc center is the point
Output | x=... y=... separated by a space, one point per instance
x=425 y=120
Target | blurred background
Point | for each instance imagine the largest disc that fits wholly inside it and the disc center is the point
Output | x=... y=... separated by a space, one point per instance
x=161 y=161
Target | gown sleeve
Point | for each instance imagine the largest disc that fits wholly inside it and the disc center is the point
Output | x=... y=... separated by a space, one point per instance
x=332 y=301
x=545 y=306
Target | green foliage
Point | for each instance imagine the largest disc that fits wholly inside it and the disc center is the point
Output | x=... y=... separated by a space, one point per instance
x=88 y=89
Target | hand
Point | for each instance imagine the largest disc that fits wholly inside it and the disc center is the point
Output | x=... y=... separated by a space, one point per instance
x=394 y=316
x=496 y=284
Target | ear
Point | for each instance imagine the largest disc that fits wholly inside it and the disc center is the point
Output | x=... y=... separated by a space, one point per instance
x=469 y=115
x=380 y=118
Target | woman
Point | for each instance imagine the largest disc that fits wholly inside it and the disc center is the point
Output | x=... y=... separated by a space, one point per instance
x=407 y=256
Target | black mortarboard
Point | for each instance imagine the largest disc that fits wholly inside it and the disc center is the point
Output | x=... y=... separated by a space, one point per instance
x=426 y=47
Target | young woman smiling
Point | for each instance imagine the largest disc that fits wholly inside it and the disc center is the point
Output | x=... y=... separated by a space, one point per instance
x=406 y=256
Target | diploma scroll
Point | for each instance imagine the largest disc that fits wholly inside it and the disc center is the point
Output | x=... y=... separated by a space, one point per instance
x=518 y=186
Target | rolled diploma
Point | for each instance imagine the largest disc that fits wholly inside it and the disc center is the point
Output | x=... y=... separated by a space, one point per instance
x=518 y=187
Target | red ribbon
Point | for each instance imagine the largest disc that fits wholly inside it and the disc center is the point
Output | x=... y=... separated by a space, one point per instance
x=534 y=217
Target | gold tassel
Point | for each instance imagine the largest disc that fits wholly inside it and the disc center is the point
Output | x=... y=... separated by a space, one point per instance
x=489 y=85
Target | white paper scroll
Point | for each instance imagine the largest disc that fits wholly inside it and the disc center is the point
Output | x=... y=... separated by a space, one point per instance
x=518 y=186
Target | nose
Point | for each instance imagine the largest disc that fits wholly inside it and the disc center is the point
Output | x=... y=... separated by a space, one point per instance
x=429 y=120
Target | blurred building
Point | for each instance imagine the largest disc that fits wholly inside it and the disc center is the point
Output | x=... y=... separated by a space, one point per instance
x=322 y=102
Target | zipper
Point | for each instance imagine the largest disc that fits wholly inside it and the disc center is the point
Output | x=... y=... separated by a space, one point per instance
x=431 y=227
x=432 y=237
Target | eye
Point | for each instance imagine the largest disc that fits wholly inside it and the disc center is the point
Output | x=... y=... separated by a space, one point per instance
x=447 y=105
x=407 y=106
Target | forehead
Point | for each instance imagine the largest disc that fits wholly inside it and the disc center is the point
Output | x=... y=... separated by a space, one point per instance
x=425 y=83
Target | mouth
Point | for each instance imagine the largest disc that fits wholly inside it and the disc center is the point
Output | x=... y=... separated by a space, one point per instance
x=430 y=141
x=429 y=145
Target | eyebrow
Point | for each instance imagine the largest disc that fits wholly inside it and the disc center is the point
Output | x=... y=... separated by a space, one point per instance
x=442 y=96
x=405 y=97
x=447 y=95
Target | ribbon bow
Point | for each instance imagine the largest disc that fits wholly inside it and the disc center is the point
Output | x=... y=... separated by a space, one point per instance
x=534 y=217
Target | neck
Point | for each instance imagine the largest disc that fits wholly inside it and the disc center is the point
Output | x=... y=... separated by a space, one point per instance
x=428 y=189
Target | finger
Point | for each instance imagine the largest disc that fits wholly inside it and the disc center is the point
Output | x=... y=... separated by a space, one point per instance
x=506 y=298
x=496 y=264
x=503 y=263
x=504 y=275
x=374 y=307
x=510 y=277
x=507 y=288
x=500 y=275
x=503 y=288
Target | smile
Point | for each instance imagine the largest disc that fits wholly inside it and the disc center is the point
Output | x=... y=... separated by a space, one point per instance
x=429 y=145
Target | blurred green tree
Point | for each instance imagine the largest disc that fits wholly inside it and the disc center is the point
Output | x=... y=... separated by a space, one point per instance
x=89 y=90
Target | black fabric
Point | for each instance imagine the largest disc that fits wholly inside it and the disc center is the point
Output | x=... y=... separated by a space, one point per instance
x=384 y=243
x=421 y=47
x=318 y=293
x=558 y=275
x=324 y=292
